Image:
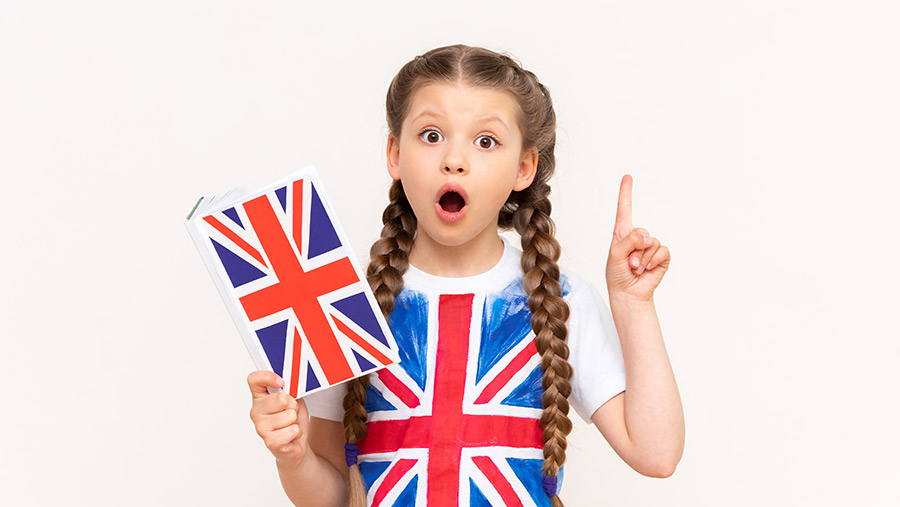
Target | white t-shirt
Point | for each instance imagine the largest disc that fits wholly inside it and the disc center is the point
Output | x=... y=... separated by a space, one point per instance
x=497 y=309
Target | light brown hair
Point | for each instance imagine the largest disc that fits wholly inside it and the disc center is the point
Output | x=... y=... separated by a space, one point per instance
x=528 y=211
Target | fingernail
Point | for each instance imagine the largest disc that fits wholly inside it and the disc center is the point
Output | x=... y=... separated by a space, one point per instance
x=635 y=262
x=647 y=240
x=640 y=270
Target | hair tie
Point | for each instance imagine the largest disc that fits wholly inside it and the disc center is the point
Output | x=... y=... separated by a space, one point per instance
x=351 y=452
x=550 y=486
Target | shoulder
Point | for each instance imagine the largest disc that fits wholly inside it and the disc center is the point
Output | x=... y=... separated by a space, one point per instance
x=578 y=291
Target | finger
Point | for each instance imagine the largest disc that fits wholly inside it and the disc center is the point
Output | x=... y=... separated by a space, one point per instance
x=280 y=440
x=648 y=254
x=258 y=380
x=277 y=421
x=662 y=256
x=623 y=210
x=632 y=243
x=275 y=403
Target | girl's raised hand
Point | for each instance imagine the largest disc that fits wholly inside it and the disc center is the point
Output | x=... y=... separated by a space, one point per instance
x=281 y=421
x=637 y=261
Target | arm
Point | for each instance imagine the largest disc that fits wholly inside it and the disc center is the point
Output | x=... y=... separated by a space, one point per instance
x=644 y=424
x=320 y=478
x=308 y=451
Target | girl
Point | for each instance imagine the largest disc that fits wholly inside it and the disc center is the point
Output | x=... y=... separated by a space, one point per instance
x=495 y=343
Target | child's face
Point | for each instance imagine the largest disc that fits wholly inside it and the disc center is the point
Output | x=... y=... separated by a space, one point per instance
x=465 y=139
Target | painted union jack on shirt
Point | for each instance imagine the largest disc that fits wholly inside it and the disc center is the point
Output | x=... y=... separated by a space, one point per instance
x=309 y=312
x=456 y=421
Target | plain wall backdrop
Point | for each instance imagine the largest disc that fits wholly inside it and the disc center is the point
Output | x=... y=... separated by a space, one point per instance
x=762 y=137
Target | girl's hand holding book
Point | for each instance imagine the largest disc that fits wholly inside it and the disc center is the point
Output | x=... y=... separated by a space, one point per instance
x=637 y=261
x=281 y=421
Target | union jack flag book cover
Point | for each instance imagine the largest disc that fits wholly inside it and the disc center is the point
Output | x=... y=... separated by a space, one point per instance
x=291 y=283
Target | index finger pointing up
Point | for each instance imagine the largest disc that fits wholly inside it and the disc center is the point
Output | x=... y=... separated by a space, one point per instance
x=623 y=212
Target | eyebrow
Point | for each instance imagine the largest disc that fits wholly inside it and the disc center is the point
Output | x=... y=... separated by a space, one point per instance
x=483 y=119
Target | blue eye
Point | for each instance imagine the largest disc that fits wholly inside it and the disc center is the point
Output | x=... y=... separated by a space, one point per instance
x=487 y=142
x=431 y=136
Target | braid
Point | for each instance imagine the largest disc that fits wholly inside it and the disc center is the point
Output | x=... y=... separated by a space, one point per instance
x=540 y=252
x=389 y=260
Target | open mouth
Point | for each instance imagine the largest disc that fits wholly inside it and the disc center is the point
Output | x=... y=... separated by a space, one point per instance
x=451 y=202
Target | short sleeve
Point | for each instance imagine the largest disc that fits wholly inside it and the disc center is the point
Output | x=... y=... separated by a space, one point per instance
x=327 y=403
x=598 y=368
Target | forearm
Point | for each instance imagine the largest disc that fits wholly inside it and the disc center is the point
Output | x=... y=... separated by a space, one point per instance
x=313 y=481
x=654 y=418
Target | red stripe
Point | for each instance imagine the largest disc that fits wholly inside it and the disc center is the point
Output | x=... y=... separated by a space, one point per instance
x=477 y=431
x=389 y=436
x=496 y=478
x=392 y=478
x=454 y=319
x=357 y=339
x=504 y=376
x=211 y=220
x=297 y=209
x=295 y=366
x=491 y=430
x=400 y=389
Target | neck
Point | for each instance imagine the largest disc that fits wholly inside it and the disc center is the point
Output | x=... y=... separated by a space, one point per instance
x=469 y=259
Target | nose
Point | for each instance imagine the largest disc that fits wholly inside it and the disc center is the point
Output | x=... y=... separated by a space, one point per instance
x=454 y=160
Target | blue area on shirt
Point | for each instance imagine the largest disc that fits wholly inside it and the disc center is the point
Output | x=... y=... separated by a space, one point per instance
x=409 y=324
x=528 y=393
x=564 y=285
x=273 y=340
x=476 y=497
x=529 y=472
x=372 y=470
x=408 y=497
x=506 y=322
x=375 y=400
x=239 y=271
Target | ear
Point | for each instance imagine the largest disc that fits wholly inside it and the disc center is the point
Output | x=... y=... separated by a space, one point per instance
x=527 y=169
x=393 y=156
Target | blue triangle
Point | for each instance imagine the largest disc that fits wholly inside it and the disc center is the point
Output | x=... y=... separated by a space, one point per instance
x=408 y=497
x=357 y=308
x=312 y=382
x=364 y=364
x=239 y=271
x=282 y=197
x=476 y=497
x=506 y=322
x=322 y=237
x=372 y=470
x=529 y=392
x=409 y=325
x=375 y=400
x=273 y=340
x=233 y=215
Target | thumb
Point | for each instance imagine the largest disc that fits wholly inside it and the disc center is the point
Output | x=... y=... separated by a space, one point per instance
x=259 y=380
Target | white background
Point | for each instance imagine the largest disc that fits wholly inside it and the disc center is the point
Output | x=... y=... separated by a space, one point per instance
x=762 y=137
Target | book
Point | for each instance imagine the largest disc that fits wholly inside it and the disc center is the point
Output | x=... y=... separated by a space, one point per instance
x=291 y=283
